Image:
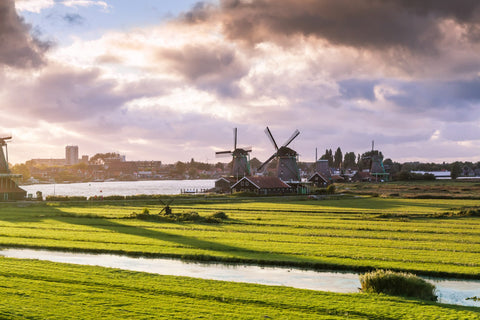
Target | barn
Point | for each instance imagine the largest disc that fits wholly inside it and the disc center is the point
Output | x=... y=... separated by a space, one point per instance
x=262 y=185
x=318 y=180
x=224 y=184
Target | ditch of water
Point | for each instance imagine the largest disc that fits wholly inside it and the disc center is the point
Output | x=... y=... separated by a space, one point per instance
x=451 y=291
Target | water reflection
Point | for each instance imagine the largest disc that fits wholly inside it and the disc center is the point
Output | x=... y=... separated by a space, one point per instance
x=449 y=291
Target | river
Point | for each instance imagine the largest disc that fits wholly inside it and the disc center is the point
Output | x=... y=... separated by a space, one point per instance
x=121 y=188
x=450 y=291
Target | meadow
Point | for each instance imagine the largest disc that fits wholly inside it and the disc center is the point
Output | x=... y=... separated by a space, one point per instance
x=422 y=236
x=44 y=290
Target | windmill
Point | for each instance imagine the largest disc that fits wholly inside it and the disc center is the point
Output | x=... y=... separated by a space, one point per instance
x=376 y=163
x=9 y=189
x=166 y=207
x=4 y=155
x=287 y=169
x=241 y=158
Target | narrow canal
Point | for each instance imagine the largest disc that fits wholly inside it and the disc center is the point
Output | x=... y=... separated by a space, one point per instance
x=451 y=291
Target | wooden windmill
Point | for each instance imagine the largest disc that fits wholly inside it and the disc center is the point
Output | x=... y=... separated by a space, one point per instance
x=9 y=189
x=241 y=158
x=377 y=169
x=287 y=168
x=4 y=155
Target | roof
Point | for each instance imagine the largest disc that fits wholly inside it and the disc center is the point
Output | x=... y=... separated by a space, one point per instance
x=262 y=182
x=363 y=175
x=318 y=174
x=228 y=179
x=15 y=189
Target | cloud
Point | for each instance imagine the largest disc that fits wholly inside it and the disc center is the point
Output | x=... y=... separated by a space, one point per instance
x=413 y=25
x=33 y=5
x=85 y=3
x=74 y=19
x=217 y=67
x=19 y=49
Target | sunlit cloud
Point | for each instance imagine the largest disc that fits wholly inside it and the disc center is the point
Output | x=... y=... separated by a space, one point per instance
x=33 y=5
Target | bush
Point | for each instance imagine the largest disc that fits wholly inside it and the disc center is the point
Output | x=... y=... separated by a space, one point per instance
x=220 y=215
x=114 y=197
x=331 y=189
x=66 y=198
x=397 y=284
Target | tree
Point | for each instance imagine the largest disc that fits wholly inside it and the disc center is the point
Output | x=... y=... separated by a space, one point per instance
x=104 y=156
x=337 y=162
x=455 y=170
x=328 y=156
x=180 y=168
x=349 y=160
x=255 y=163
x=21 y=169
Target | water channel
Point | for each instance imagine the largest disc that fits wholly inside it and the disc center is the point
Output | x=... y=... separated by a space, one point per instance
x=121 y=188
x=451 y=291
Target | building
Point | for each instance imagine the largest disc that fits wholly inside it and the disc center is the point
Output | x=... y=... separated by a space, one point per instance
x=9 y=189
x=318 y=180
x=224 y=184
x=262 y=185
x=45 y=162
x=71 y=155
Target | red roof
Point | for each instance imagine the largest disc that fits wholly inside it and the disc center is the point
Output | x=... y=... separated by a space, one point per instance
x=262 y=182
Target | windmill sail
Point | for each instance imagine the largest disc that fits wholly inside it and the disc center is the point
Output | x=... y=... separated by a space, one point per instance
x=240 y=158
x=287 y=168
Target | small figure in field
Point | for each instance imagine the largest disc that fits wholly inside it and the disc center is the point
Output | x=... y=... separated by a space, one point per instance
x=166 y=208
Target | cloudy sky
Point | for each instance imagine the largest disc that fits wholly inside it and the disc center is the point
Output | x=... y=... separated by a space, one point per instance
x=169 y=79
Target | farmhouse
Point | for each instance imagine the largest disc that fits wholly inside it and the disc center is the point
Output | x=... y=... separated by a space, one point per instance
x=224 y=184
x=318 y=180
x=262 y=185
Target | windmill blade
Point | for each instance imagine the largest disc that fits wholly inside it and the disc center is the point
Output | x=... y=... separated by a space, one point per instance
x=247 y=149
x=266 y=162
x=161 y=201
x=169 y=202
x=293 y=136
x=270 y=136
x=234 y=138
x=221 y=154
x=162 y=210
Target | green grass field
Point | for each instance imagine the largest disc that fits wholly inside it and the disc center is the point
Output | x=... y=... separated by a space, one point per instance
x=356 y=234
x=352 y=233
x=44 y=290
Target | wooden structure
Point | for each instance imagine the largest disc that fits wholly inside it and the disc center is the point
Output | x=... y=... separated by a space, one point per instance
x=241 y=158
x=224 y=184
x=262 y=185
x=287 y=168
x=9 y=189
x=318 y=180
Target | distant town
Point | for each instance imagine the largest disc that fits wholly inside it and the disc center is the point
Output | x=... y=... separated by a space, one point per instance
x=333 y=166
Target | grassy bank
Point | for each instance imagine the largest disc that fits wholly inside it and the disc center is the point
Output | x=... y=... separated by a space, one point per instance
x=44 y=290
x=412 y=235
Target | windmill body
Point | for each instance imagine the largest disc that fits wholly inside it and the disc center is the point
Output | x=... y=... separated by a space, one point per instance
x=3 y=158
x=240 y=158
x=9 y=189
x=287 y=168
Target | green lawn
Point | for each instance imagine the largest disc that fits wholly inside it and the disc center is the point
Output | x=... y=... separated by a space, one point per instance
x=357 y=234
x=32 y=289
